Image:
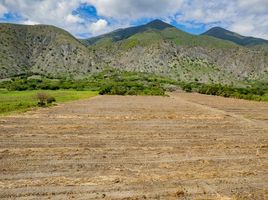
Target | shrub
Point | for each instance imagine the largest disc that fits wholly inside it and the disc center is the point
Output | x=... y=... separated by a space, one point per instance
x=51 y=100
x=42 y=98
x=105 y=89
x=187 y=88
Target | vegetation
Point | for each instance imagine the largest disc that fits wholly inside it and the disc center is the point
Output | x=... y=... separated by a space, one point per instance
x=253 y=91
x=11 y=101
x=109 y=81
x=116 y=82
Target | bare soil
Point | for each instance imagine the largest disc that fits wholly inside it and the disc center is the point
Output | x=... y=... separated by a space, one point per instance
x=186 y=146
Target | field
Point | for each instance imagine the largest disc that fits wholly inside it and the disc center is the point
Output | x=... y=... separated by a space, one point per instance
x=14 y=101
x=186 y=146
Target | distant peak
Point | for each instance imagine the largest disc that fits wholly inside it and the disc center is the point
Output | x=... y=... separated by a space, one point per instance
x=224 y=34
x=158 y=24
x=216 y=29
x=157 y=21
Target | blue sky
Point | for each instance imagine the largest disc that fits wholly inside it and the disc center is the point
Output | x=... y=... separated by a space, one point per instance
x=86 y=18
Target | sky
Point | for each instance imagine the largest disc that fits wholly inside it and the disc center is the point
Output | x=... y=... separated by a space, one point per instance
x=88 y=18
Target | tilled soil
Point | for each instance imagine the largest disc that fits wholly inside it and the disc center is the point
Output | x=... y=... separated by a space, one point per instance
x=186 y=146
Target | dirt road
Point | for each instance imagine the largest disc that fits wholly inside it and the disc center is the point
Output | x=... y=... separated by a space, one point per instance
x=186 y=146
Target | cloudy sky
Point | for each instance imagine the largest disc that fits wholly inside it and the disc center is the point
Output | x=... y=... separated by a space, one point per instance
x=86 y=18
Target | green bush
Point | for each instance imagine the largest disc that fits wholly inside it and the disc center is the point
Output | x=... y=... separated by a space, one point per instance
x=106 y=89
x=50 y=100
x=187 y=87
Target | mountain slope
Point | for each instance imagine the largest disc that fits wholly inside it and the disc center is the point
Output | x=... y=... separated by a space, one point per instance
x=41 y=49
x=172 y=52
x=224 y=34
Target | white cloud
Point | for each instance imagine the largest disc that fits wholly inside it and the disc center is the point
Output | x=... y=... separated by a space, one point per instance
x=58 y=13
x=98 y=27
x=252 y=26
x=254 y=6
x=136 y=9
x=252 y=18
x=248 y=17
x=74 y=19
x=202 y=11
x=3 y=10
x=29 y=22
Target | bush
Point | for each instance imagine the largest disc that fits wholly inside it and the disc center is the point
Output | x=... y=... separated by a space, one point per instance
x=42 y=98
x=106 y=90
x=51 y=100
x=187 y=88
x=128 y=88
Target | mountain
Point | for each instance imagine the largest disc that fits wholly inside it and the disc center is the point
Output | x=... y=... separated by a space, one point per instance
x=41 y=49
x=156 y=47
x=224 y=34
x=171 y=52
x=122 y=34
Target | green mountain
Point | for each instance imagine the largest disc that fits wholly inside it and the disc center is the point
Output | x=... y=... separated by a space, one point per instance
x=156 y=47
x=224 y=34
x=156 y=31
x=167 y=51
x=122 y=34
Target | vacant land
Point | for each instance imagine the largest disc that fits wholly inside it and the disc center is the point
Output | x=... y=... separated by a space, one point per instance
x=186 y=146
x=14 y=101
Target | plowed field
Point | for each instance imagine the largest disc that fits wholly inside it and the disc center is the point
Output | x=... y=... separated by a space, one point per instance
x=186 y=146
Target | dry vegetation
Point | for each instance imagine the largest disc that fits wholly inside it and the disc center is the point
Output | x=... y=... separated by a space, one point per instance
x=186 y=146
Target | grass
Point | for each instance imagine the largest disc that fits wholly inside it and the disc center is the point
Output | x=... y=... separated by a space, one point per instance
x=19 y=101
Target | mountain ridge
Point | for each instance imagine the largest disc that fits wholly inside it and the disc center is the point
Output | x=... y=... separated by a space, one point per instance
x=221 y=33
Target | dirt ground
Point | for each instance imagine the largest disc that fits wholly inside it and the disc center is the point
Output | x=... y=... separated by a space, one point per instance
x=186 y=146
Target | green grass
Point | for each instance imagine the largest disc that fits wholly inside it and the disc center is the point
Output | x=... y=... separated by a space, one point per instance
x=19 y=101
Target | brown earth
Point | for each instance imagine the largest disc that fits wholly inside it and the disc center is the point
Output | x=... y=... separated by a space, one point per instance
x=186 y=146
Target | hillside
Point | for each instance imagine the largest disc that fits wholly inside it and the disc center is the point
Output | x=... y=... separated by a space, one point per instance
x=156 y=47
x=41 y=49
x=171 y=52
x=224 y=34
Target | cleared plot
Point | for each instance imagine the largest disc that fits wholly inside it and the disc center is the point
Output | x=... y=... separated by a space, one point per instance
x=186 y=146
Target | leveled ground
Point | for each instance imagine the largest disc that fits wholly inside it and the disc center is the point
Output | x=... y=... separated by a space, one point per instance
x=186 y=146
